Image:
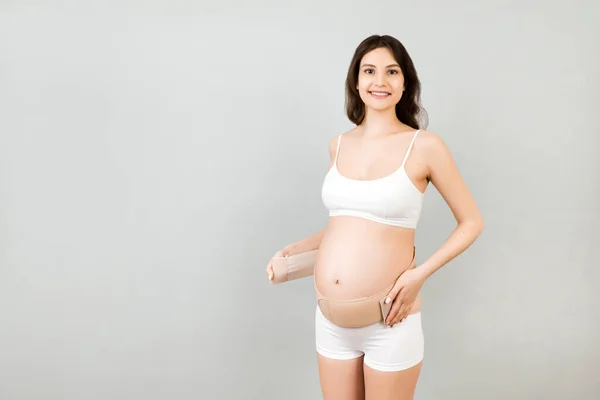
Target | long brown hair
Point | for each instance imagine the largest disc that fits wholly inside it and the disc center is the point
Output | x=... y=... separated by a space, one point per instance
x=409 y=109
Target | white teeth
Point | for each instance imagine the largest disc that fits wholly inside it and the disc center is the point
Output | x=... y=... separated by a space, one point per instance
x=380 y=93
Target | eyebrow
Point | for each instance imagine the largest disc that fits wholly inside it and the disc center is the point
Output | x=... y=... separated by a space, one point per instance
x=371 y=65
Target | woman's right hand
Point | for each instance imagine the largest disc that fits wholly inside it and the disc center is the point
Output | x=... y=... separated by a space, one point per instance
x=269 y=270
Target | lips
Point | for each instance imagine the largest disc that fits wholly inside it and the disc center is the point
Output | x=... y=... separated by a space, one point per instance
x=379 y=95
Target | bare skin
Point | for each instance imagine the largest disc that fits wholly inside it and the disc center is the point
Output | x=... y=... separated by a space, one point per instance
x=358 y=257
x=342 y=379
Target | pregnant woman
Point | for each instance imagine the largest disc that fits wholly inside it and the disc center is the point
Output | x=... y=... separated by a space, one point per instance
x=369 y=339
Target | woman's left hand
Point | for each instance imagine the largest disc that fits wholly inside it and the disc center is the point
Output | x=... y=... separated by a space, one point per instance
x=403 y=294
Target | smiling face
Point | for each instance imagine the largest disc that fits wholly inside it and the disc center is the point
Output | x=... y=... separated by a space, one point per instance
x=380 y=79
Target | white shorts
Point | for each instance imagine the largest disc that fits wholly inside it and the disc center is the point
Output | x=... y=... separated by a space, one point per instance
x=385 y=349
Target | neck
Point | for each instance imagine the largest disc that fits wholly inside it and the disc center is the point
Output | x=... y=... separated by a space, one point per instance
x=381 y=122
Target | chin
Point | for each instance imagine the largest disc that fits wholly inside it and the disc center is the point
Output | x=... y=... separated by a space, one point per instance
x=380 y=107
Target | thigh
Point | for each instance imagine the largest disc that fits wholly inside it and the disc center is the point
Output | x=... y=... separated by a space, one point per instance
x=394 y=385
x=340 y=360
x=393 y=360
x=341 y=379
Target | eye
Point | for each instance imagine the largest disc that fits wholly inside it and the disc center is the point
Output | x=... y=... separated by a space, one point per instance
x=370 y=70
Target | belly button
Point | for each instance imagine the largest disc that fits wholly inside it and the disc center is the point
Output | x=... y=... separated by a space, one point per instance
x=336 y=280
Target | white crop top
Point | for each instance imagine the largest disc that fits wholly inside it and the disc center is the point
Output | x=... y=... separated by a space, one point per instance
x=392 y=200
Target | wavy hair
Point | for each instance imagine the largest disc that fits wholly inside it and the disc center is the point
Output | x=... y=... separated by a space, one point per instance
x=409 y=109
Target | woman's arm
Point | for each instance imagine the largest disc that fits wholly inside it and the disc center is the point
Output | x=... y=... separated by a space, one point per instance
x=444 y=175
x=284 y=267
x=307 y=244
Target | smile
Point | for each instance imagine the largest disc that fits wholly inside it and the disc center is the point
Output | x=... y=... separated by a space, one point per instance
x=379 y=95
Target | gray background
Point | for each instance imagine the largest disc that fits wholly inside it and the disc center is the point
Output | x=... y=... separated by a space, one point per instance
x=154 y=156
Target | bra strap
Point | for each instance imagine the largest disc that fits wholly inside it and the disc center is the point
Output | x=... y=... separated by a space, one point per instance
x=410 y=147
x=338 y=148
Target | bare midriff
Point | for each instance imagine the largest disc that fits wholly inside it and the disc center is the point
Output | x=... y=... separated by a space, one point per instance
x=358 y=258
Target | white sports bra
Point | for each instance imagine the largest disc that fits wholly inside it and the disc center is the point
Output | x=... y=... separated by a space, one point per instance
x=392 y=200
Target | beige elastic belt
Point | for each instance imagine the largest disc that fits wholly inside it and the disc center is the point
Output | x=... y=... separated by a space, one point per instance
x=294 y=267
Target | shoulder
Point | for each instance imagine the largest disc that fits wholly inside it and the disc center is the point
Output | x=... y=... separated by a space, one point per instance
x=430 y=143
x=333 y=142
x=434 y=151
x=429 y=139
x=333 y=145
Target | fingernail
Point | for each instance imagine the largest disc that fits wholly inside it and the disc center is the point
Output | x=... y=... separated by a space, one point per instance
x=387 y=300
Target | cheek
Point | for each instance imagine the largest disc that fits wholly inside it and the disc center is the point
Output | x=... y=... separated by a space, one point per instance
x=362 y=84
x=362 y=90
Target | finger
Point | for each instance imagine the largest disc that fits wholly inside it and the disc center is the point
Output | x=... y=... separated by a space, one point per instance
x=282 y=253
x=401 y=315
x=402 y=312
x=269 y=271
x=396 y=305
x=394 y=292
x=398 y=318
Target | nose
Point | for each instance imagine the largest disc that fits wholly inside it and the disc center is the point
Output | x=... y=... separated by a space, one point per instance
x=380 y=79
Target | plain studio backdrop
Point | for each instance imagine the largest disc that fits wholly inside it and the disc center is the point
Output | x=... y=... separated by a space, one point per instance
x=153 y=157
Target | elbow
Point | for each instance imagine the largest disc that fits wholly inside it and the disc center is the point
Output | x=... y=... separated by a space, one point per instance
x=478 y=225
x=472 y=226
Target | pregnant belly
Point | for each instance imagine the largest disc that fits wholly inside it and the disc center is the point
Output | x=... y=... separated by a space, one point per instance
x=358 y=258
